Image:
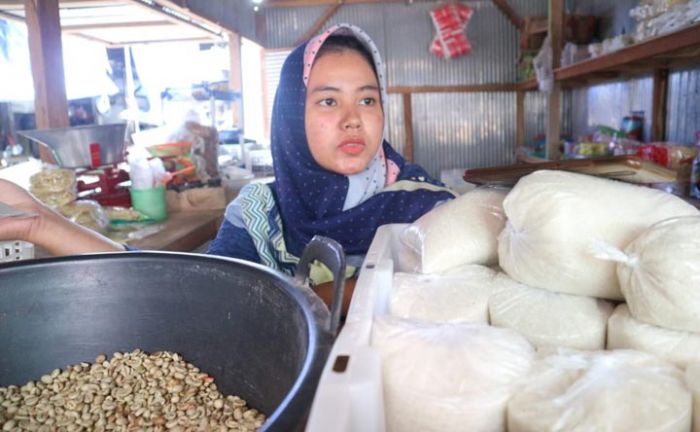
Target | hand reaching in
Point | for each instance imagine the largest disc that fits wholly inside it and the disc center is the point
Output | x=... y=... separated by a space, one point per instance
x=13 y=228
x=47 y=229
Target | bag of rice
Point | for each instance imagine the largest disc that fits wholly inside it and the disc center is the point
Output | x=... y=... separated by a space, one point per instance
x=601 y=391
x=554 y=218
x=461 y=231
x=660 y=278
x=448 y=377
x=676 y=346
x=549 y=319
x=457 y=295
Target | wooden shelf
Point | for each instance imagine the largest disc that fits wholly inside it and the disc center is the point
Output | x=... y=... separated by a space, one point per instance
x=680 y=48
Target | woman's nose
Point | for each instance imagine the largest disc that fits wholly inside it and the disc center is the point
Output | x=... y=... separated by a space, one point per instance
x=351 y=119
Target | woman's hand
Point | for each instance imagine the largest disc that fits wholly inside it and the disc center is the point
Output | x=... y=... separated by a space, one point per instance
x=48 y=229
x=16 y=228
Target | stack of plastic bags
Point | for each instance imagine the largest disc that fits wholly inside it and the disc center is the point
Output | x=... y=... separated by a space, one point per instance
x=568 y=246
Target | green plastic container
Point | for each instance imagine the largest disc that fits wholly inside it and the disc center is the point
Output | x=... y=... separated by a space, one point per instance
x=150 y=202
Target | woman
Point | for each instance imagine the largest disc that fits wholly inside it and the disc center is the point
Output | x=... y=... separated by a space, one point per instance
x=335 y=175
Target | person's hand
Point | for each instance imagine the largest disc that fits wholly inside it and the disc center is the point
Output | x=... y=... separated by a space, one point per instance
x=13 y=228
x=48 y=229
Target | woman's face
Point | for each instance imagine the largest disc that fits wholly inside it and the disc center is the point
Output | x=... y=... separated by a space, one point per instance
x=344 y=120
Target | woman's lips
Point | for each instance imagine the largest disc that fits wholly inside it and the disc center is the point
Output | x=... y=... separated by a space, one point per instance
x=352 y=147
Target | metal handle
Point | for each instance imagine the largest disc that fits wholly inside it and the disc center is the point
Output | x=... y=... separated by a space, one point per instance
x=330 y=253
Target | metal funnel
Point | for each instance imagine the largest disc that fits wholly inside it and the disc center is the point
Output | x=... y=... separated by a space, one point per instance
x=71 y=147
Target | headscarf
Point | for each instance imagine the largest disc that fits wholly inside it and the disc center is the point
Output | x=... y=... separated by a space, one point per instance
x=310 y=200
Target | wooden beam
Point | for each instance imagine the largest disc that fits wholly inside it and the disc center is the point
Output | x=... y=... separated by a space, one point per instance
x=512 y=16
x=408 y=127
x=302 y=3
x=267 y=115
x=176 y=18
x=46 y=55
x=519 y=122
x=556 y=32
x=260 y=28
x=658 y=116
x=150 y=41
x=181 y=7
x=11 y=17
x=120 y=25
x=318 y=25
x=475 y=88
x=235 y=79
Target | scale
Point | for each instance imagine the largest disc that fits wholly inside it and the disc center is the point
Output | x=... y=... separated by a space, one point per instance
x=94 y=152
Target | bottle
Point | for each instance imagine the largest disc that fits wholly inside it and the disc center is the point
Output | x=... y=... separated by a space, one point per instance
x=695 y=170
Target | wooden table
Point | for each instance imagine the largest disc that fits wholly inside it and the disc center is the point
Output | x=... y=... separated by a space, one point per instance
x=182 y=231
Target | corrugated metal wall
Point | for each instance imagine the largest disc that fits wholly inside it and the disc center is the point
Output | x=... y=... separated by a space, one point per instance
x=683 y=119
x=607 y=104
x=450 y=130
x=451 y=125
x=236 y=14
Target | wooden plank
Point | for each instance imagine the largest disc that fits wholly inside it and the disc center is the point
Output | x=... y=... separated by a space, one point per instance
x=46 y=55
x=235 y=80
x=181 y=7
x=556 y=33
x=260 y=28
x=476 y=88
x=556 y=30
x=684 y=38
x=408 y=126
x=267 y=117
x=512 y=16
x=554 y=123
x=182 y=231
x=178 y=19
x=318 y=25
x=119 y=25
x=519 y=122
x=11 y=17
x=302 y=3
x=528 y=85
x=658 y=116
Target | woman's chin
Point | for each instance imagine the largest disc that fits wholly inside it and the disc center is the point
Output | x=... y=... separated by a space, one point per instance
x=351 y=169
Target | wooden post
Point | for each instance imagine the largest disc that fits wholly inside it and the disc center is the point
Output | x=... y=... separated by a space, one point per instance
x=408 y=126
x=267 y=115
x=235 y=80
x=519 y=123
x=658 y=116
x=260 y=28
x=556 y=32
x=46 y=55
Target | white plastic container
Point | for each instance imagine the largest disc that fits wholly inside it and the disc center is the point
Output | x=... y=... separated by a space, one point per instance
x=15 y=251
x=349 y=396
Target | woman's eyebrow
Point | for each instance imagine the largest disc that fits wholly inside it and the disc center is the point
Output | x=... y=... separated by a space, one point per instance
x=323 y=88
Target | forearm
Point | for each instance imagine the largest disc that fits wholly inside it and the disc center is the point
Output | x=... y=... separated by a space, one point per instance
x=59 y=236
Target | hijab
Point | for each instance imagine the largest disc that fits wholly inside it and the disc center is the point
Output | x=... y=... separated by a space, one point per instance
x=313 y=200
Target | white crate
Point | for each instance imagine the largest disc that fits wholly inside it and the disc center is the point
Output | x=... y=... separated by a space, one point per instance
x=350 y=399
x=15 y=251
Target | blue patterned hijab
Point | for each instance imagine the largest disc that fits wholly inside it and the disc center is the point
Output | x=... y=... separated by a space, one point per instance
x=312 y=200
